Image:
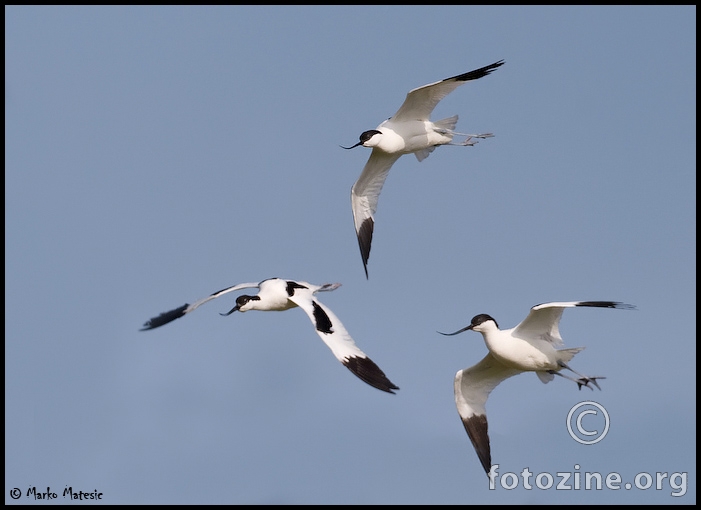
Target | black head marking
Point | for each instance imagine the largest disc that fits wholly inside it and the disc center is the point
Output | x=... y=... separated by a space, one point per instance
x=242 y=300
x=323 y=323
x=479 y=319
x=366 y=135
x=291 y=286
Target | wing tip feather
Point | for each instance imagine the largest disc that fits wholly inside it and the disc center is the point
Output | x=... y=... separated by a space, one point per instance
x=368 y=371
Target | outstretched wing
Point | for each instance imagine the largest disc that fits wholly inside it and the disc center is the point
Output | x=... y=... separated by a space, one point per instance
x=337 y=338
x=544 y=319
x=472 y=388
x=421 y=101
x=176 y=313
x=364 y=196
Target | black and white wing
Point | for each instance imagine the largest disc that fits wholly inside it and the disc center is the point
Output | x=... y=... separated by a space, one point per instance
x=364 y=196
x=421 y=101
x=544 y=319
x=337 y=338
x=472 y=388
x=176 y=313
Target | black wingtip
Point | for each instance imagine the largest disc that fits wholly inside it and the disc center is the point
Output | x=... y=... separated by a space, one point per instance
x=607 y=304
x=364 y=241
x=368 y=371
x=164 y=318
x=493 y=66
x=478 y=73
x=477 y=430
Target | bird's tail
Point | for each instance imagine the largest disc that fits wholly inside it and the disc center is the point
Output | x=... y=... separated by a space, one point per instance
x=567 y=354
x=447 y=128
x=447 y=125
x=327 y=287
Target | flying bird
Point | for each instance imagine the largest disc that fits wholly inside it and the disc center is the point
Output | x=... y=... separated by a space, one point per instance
x=407 y=131
x=276 y=294
x=529 y=347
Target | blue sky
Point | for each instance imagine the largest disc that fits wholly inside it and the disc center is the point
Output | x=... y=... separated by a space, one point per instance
x=154 y=155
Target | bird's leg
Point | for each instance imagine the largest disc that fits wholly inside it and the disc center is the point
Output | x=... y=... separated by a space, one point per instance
x=469 y=140
x=579 y=382
x=470 y=135
x=583 y=380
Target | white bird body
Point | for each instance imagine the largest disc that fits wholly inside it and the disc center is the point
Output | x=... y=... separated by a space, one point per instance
x=410 y=137
x=524 y=354
x=276 y=294
x=528 y=347
x=408 y=131
x=274 y=298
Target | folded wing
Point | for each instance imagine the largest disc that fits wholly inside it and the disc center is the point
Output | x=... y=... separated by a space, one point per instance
x=337 y=338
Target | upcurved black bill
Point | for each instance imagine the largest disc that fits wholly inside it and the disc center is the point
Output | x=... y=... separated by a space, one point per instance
x=351 y=147
x=230 y=311
x=458 y=331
